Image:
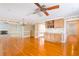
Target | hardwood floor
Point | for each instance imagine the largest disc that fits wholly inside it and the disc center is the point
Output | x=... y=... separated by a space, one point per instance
x=35 y=47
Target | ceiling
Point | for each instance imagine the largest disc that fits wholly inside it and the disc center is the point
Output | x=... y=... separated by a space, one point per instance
x=19 y=11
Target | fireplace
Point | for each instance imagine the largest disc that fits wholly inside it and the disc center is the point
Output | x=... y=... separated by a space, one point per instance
x=3 y=32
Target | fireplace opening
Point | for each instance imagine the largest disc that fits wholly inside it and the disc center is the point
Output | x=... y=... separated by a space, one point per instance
x=3 y=32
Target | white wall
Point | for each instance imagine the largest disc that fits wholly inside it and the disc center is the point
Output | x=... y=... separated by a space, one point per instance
x=27 y=30
x=39 y=30
x=36 y=30
x=16 y=30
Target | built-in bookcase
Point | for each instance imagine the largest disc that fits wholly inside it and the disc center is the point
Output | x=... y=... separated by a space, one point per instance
x=59 y=23
x=55 y=30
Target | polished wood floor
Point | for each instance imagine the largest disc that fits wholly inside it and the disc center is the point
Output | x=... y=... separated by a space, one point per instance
x=35 y=47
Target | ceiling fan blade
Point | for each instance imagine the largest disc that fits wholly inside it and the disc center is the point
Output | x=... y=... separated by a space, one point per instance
x=46 y=13
x=38 y=5
x=53 y=7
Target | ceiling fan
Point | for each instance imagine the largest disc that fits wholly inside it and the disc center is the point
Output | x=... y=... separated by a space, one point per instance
x=44 y=9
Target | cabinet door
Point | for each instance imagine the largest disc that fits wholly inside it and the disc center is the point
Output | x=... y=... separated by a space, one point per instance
x=57 y=37
x=52 y=37
x=59 y=23
x=47 y=36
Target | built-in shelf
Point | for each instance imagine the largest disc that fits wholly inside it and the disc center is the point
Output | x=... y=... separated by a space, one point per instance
x=58 y=23
x=55 y=30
